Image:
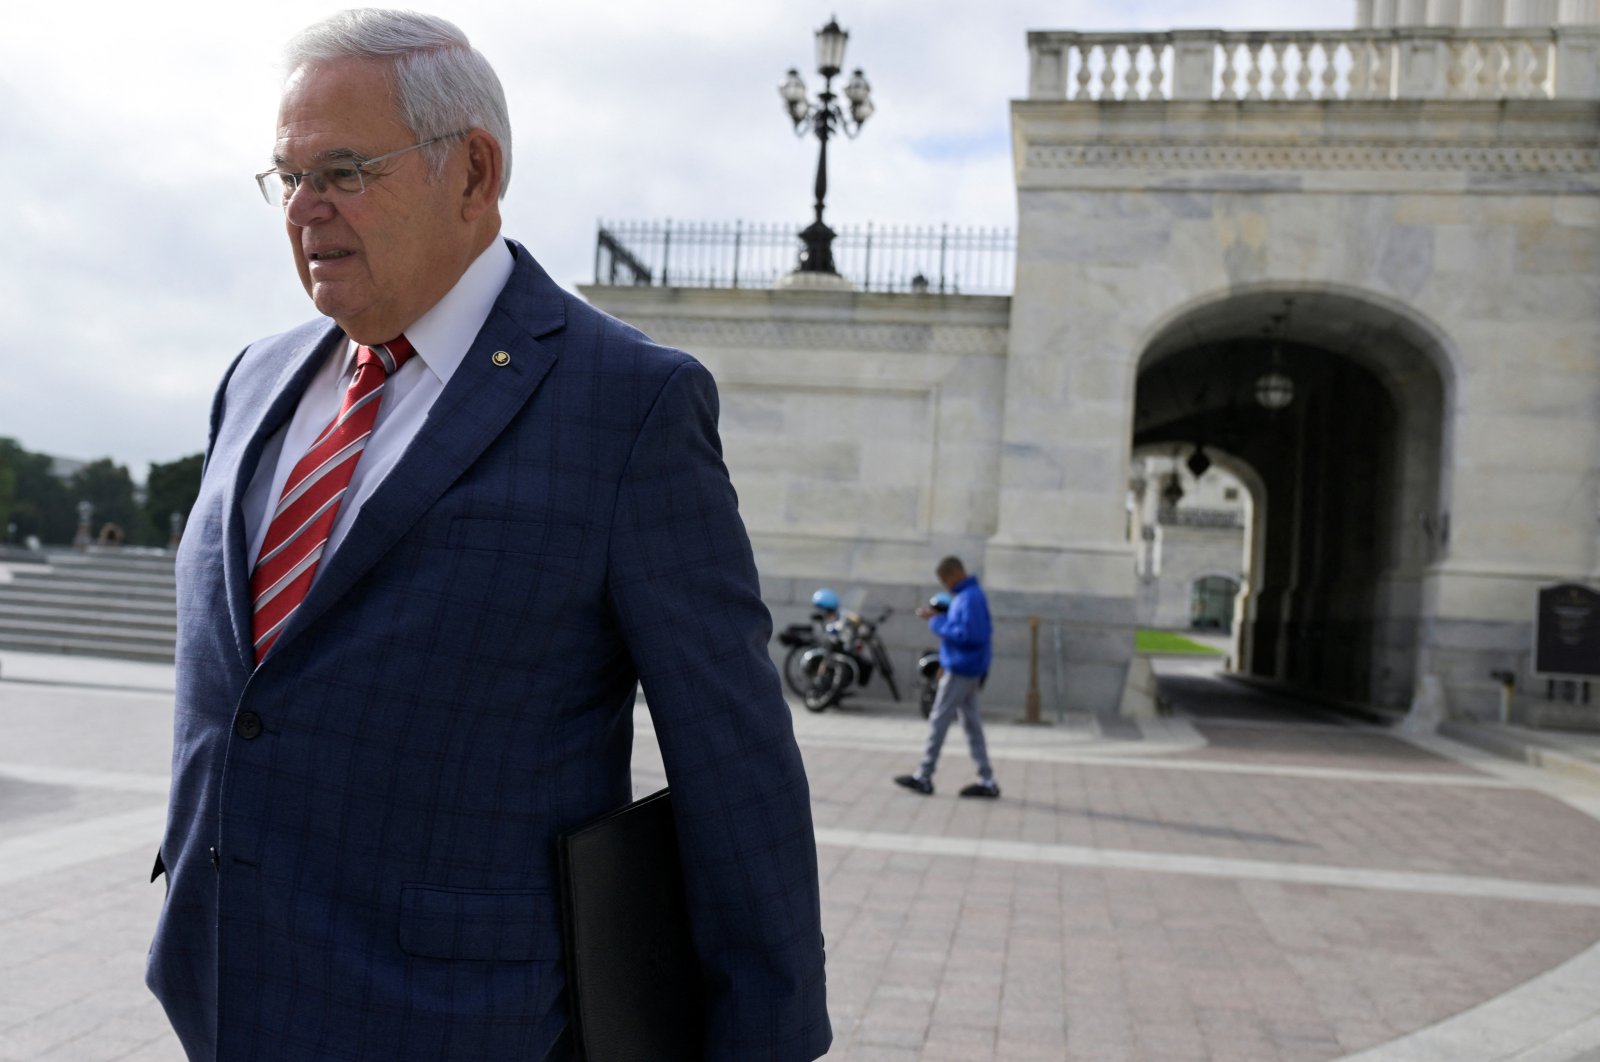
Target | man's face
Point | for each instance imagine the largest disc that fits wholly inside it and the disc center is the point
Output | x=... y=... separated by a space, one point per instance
x=951 y=578
x=377 y=261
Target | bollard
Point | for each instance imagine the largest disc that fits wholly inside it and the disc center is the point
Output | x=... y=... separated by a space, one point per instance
x=1508 y=682
x=1031 y=711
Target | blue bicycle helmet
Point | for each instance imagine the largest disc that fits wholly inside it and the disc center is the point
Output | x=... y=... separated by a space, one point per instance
x=940 y=602
x=826 y=600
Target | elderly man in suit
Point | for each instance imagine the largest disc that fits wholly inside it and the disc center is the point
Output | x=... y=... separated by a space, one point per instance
x=445 y=530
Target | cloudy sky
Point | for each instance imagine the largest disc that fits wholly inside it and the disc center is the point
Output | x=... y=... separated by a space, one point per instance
x=138 y=257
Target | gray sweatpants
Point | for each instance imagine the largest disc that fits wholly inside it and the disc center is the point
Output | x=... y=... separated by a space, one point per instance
x=957 y=694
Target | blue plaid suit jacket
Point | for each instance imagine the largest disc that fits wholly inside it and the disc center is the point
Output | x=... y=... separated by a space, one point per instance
x=360 y=842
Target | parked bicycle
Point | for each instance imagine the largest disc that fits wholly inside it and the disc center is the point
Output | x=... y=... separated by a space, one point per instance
x=845 y=661
x=800 y=637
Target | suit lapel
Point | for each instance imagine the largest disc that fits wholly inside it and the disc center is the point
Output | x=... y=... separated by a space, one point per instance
x=472 y=411
x=299 y=366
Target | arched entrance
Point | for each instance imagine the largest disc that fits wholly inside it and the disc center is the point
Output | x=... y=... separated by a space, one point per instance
x=1337 y=405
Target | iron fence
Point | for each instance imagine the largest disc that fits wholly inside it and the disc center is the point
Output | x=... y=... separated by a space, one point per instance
x=739 y=254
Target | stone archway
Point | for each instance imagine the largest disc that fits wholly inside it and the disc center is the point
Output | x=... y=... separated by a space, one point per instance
x=1212 y=529
x=1352 y=471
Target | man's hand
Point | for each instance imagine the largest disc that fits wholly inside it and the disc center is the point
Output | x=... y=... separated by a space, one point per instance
x=924 y=612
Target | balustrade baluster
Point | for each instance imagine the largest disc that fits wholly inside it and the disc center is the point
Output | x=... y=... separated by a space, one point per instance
x=1539 y=75
x=1108 y=74
x=1084 y=51
x=1330 y=71
x=1130 y=76
x=1493 y=76
x=1518 y=70
x=1157 y=74
x=1302 y=75
x=1230 y=73
x=1253 y=70
x=1279 y=51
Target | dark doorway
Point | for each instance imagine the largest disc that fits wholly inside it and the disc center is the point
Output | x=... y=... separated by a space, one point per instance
x=1211 y=603
x=1345 y=441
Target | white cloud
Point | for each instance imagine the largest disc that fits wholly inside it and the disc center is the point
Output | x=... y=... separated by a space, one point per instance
x=140 y=257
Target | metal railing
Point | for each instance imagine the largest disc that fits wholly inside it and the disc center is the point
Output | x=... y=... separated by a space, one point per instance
x=1369 y=64
x=739 y=254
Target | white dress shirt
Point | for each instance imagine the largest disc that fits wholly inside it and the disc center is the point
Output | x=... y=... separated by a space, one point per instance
x=441 y=338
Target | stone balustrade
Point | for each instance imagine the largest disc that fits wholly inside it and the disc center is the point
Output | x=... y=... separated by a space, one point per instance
x=1389 y=64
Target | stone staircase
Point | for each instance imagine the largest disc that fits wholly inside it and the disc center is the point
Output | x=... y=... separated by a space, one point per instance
x=91 y=604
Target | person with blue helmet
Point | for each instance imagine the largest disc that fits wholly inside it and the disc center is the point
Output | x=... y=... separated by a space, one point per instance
x=966 y=638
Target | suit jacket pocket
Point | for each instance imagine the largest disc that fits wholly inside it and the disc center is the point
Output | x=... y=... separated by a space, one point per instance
x=489 y=925
x=516 y=536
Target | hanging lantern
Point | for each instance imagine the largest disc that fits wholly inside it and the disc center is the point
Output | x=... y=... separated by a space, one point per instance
x=1274 y=391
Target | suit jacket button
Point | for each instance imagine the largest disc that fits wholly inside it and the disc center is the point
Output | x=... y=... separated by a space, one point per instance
x=248 y=725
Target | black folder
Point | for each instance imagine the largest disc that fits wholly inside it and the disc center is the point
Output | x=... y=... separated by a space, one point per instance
x=633 y=980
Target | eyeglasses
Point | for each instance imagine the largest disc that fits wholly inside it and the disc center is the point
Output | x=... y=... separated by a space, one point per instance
x=343 y=178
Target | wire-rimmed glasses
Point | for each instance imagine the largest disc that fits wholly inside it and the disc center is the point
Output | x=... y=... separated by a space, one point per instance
x=344 y=177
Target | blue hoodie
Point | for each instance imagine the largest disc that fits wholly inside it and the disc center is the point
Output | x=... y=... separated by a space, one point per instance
x=965 y=632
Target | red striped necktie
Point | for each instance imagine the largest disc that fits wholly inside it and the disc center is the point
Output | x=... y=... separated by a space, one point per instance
x=298 y=533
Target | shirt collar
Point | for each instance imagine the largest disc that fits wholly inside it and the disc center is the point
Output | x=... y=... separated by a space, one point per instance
x=444 y=334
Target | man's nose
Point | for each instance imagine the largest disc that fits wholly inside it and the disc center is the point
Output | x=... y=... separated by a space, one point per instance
x=305 y=205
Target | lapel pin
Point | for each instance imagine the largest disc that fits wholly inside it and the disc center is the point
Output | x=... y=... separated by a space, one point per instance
x=500 y=358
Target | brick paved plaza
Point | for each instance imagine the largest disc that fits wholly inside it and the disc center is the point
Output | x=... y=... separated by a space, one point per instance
x=1242 y=880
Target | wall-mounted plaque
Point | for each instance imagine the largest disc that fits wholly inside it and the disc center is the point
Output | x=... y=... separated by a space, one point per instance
x=1566 y=633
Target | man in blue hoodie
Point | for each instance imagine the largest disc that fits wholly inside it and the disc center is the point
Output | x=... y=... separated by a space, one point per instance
x=965 y=636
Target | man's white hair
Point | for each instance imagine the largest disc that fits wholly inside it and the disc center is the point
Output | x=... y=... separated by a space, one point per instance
x=441 y=82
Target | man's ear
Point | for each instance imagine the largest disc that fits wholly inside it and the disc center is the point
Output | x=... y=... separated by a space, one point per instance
x=485 y=164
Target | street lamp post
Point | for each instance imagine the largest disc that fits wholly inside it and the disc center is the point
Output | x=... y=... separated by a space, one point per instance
x=823 y=118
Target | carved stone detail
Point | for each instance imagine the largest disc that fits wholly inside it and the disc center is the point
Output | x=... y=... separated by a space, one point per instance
x=698 y=332
x=1496 y=158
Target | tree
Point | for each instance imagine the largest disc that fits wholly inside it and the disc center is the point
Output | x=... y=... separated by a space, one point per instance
x=8 y=497
x=171 y=488
x=41 y=504
x=108 y=487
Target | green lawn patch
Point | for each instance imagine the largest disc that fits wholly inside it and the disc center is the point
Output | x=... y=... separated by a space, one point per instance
x=1146 y=641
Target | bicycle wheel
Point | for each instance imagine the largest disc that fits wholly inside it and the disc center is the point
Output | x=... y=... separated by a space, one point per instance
x=794 y=674
x=825 y=689
x=827 y=675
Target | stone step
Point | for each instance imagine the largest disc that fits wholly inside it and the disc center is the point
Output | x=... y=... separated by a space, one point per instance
x=1574 y=755
x=90 y=568
x=96 y=590
x=111 y=556
x=112 y=633
x=22 y=558
x=109 y=604
x=87 y=601
x=24 y=642
x=13 y=614
x=107 y=577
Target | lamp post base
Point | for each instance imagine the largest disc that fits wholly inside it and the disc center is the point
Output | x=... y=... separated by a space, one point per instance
x=818 y=238
x=810 y=280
